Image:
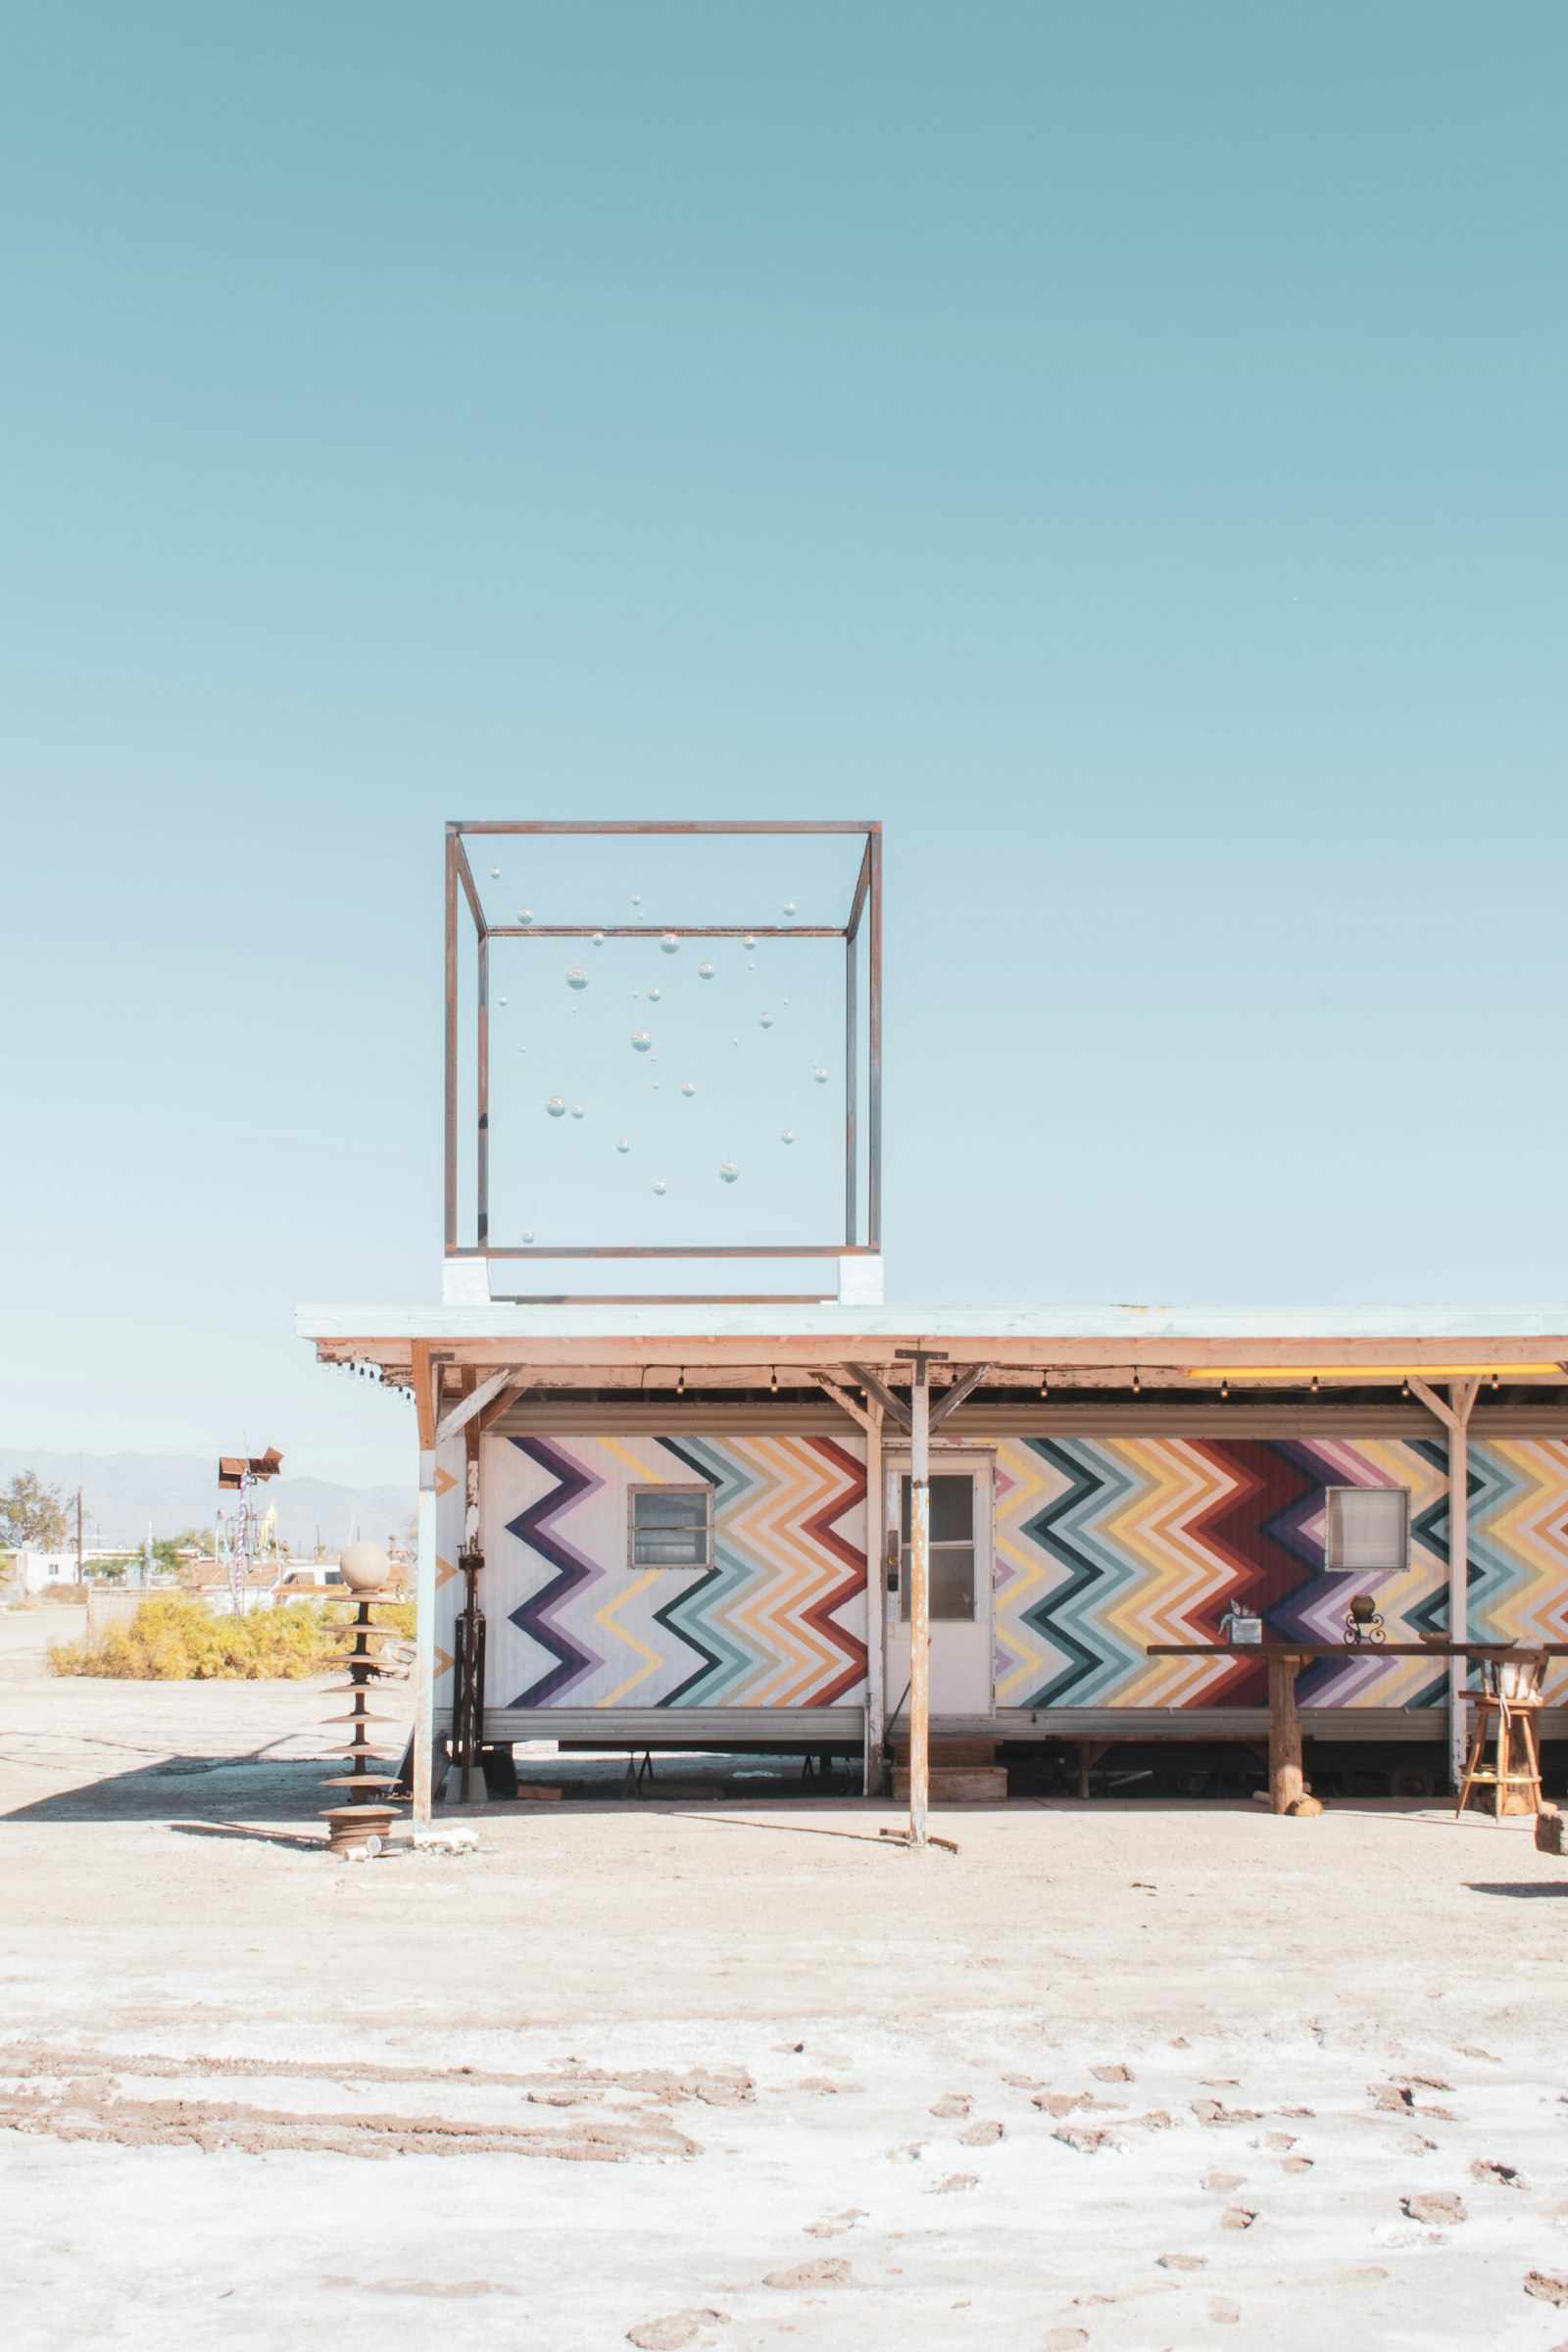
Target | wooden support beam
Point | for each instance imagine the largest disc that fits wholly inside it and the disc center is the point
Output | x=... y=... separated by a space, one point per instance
x=847 y=1403
x=891 y=1404
x=511 y=1376
x=954 y=1396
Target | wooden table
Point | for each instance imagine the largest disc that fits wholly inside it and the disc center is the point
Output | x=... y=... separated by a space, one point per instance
x=1285 y=1660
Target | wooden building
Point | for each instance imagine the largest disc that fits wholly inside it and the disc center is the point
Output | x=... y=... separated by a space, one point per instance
x=689 y=1515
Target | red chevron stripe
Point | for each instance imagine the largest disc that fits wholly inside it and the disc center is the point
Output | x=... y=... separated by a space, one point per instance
x=822 y=1528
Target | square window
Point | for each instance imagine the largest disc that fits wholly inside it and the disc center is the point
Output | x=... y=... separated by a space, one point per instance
x=1367 y=1531
x=671 y=1526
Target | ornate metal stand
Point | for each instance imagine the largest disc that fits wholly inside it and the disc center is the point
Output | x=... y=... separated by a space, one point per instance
x=467 y=1710
x=366 y=1814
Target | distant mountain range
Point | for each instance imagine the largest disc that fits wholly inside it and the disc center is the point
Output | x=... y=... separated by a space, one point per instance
x=123 y=1493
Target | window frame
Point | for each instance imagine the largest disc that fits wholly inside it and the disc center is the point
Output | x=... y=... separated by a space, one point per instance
x=1333 y=1567
x=670 y=1486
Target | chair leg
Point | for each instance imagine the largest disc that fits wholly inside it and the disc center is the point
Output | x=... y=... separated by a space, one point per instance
x=1527 y=1735
x=1472 y=1762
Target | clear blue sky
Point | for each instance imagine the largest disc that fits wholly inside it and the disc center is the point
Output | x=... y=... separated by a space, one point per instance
x=1120 y=447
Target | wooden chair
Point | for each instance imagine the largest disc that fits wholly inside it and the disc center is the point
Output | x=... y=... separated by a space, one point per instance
x=1507 y=1710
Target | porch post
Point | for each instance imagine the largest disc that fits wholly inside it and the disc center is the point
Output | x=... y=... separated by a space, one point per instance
x=875 y=1605
x=424 y=1589
x=1455 y=1418
x=919 y=1601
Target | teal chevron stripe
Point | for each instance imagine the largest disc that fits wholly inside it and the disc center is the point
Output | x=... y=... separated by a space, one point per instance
x=1071 y=1617
x=695 y=1616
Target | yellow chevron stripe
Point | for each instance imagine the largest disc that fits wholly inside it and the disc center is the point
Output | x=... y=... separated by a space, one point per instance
x=607 y=1617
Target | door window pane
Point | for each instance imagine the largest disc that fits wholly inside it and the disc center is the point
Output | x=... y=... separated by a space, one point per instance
x=1367 y=1529
x=951 y=1507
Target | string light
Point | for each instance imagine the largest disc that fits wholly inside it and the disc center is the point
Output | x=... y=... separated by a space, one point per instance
x=774 y=1383
x=1404 y=1387
x=680 y=1382
x=1043 y=1390
x=1494 y=1383
x=1314 y=1383
x=1138 y=1385
x=1225 y=1388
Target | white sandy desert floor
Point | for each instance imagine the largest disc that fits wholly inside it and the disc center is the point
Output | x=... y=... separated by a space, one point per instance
x=1119 y=2076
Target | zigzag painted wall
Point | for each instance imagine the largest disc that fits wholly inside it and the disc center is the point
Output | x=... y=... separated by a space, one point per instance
x=779 y=1620
x=1104 y=1546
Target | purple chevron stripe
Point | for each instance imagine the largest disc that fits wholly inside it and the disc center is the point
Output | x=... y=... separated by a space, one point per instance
x=538 y=1615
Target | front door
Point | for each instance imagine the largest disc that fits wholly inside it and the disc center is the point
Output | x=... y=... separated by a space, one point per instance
x=961 y=1586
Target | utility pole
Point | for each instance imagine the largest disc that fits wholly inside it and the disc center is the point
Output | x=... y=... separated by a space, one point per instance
x=80 y=1552
x=922 y=1359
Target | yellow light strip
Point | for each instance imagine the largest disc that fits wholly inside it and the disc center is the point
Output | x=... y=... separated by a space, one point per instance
x=1366 y=1372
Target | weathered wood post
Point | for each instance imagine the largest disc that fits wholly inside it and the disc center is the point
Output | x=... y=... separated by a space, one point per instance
x=1284 y=1778
x=920 y=1586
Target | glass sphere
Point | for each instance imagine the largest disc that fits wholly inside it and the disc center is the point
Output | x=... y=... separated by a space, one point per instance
x=528 y=1237
x=624 y=1143
x=557 y=1106
x=654 y=995
x=786 y=1136
x=495 y=873
x=598 y=940
x=688 y=1088
x=576 y=977
x=640 y=1041
x=526 y=915
x=661 y=1186
x=764 y=1020
x=576 y=1110
x=820 y=1075
x=789 y=909
x=705 y=971
x=729 y=1171
x=750 y=941
x=670 y=943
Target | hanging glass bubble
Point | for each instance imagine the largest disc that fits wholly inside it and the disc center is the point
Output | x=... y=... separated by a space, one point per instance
x=688 y=1088
x=670 y=944
x=501 y=999
x=705 y=971
x=598 y=938
x=820 y=1075
x=640 y=1041
x=750 y=941
x=526 y=915
x=789 y=909
x=495 y=873
x=576 y=1110
x=528 y=1237
x=764 y=1020
x=576 y=977
x=729 y=1171
x=786 y=999
x=788 y=1136
x=635 y=900
x=654 y=995
x=557 y=1106
x=624 y=1143
x=661 y=1186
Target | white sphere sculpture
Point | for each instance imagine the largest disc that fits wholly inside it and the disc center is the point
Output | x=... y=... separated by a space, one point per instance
x=364 y=1567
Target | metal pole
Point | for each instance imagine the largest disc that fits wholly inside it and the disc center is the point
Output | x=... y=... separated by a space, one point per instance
x=919 y=1602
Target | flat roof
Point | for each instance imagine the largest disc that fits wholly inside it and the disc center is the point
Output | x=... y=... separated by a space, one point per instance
x=1176 y=1337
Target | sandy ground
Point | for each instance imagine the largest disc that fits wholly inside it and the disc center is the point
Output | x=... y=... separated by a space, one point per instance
x=1114 y=2076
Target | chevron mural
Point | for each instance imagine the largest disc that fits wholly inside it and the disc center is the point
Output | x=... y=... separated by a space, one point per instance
x=1103 y=1546
x=778 y=1621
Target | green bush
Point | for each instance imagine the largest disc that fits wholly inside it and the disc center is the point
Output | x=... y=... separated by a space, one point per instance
x=177 y=1639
